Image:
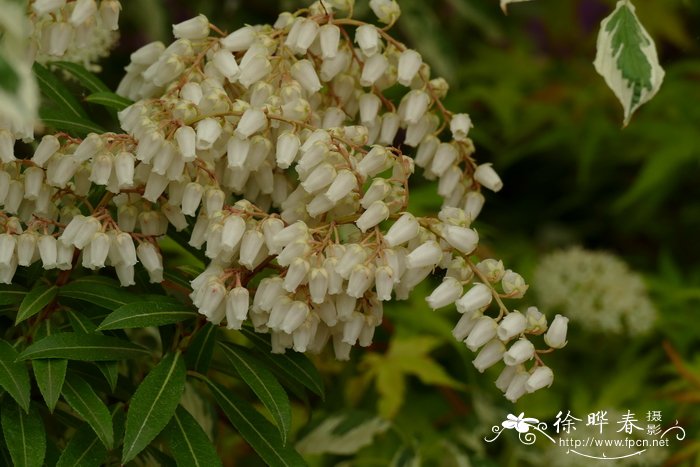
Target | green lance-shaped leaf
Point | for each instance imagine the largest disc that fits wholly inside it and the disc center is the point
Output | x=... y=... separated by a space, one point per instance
x=63 y=121
x=145 y=314
x=85 y=401
x=85 y=347
x=264 y=385
x=97 y=291
x=24 y=433
x=189 y=444
x=255 y=429
x=626 y=58
x=84 y=449
x=50 y=374
x=35 y=301
x=85 y=77
x=109 y=99
x=153 y=404
x=110 y=370
x=11 y=294
x=293 y=365
x=14 y=377
x=199 y=352
x=82 y=325
x=5 y=458
x=56 y=91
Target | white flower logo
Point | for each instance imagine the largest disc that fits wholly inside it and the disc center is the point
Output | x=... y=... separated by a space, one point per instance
x=521 y=424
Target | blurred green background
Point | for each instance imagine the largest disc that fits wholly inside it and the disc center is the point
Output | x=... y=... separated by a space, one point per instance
x=573 y=176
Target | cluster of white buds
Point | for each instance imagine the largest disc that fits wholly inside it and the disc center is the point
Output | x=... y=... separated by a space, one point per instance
x=505 y=337
x=597 y=290
x=79 y=31
x=277 y=150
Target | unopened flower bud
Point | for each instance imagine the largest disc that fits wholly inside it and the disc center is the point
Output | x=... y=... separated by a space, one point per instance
x=208 y=131
x=367 y=37
x=387 y=11
x=193 y=28
x=459 y=126
x=489 y=355
x=506 y=376
x=445 y=294
x=152 y=261
x=359 y=281
x=462 y=238
x=426 y=255
x=520 y=352
x=375 y=66
x=556 y=334
x=375 y=214
x=476 y=298
x=404 y=229
x=516 y=388
x=483 y=331
x=409 y=64
x=540 y=377
x=252 y=121
x=304 y=72
x=302 y=35
x=492 y=269
x=83 y=10
x=487 y=177
x=511 y=325
x=329 y=38
x=513 y=284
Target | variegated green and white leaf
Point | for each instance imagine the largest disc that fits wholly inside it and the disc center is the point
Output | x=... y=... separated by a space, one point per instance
x=342 y=434
x=626 y=58
x=504 y=4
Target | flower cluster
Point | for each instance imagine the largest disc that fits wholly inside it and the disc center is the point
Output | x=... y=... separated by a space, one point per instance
x=79 y=31
x=596 y=290
x=275 y=149
x=19 y=96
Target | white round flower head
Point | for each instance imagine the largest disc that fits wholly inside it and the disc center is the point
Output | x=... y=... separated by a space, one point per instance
x=597 y=290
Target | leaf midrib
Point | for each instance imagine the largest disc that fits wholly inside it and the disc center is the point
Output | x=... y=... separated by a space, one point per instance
x=150 y=410
x=87 y=409
x=264 y=386
x=253 y=427
x=184 y=435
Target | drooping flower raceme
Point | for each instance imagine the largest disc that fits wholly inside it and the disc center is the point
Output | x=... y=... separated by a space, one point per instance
x=275 y=149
